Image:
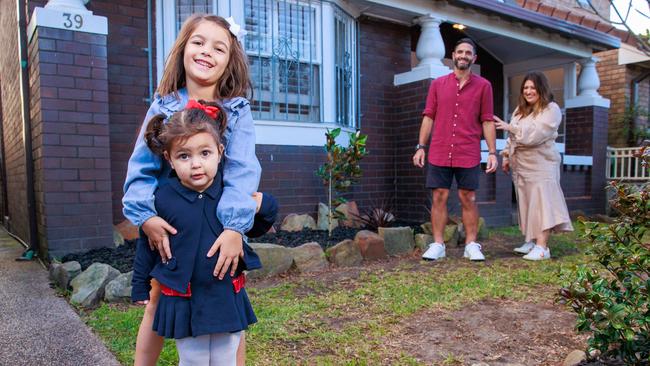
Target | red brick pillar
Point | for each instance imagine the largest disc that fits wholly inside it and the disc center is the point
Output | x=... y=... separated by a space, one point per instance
x=69 y=111
x=586 y=141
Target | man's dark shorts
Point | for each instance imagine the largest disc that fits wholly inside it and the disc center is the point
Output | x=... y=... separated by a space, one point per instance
x=442 y=177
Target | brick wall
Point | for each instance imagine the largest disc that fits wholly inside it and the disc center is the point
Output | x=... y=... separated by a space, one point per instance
x=69 y=111
x=12 y=122
x=128 y=82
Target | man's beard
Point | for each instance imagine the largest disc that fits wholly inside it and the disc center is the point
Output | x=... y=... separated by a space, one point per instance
x=462 y=67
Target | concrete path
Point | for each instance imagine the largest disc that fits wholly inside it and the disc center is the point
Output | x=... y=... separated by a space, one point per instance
x=36 y=326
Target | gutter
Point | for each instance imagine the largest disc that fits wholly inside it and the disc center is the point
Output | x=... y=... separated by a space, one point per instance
x=530 y=17
x=27 y=129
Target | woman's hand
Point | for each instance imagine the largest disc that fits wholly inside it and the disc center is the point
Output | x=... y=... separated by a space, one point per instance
x=158 y=231
x=232 y=248
x=500 y=124
x=505 y=165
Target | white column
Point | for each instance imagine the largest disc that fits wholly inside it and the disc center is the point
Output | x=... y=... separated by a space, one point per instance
x=77 y=6
x=430 y=51
x=329 y=72
x=588 y=84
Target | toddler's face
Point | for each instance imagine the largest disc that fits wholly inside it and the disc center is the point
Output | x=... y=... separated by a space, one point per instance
x=195 y=160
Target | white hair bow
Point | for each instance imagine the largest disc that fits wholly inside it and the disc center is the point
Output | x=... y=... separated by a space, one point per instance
x=236 y=29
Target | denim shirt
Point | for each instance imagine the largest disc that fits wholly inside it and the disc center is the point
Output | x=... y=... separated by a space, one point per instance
x=241 y=170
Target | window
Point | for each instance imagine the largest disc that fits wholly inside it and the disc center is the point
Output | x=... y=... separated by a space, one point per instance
x=302 y=55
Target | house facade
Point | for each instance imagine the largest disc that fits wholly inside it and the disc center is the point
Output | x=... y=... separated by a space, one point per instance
x=89 y=72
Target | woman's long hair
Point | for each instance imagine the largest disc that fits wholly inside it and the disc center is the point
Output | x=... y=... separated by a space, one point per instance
x=543 y=90
x=235 y=81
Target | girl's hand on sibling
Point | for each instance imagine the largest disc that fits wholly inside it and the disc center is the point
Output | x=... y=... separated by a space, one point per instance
x=158 y=231
x=231 y=247
x=257 y=196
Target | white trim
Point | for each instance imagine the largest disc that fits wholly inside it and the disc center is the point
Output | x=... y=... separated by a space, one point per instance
x=329 y=76
x=578 y=160
x=587 y=101
x=630 y=55
x=70 y=19
x=490 y=23
x=297 y=133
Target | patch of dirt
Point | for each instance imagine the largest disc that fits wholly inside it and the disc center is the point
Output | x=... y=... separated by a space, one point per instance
x=497 y=332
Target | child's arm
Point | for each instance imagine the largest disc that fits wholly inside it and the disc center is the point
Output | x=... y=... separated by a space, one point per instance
x=141 y=182
x=236 y=208
x=267 y=212
x=143 y=263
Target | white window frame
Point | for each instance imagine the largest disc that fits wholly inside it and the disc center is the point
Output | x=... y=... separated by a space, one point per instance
x=270 y=132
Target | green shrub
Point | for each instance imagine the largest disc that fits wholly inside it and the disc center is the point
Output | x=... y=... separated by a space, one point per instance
x=610 y=293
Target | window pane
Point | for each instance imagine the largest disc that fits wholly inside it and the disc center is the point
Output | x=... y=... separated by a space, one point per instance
x=343 y=56
x=185 y=8
x=281 y=45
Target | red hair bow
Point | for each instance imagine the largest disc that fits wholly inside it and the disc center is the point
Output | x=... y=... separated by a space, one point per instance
x=211 y=111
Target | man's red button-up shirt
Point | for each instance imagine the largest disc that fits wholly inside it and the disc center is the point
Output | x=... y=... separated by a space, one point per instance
x=457 y=116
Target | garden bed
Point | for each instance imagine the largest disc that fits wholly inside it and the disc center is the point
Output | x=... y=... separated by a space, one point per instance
x=121 y=258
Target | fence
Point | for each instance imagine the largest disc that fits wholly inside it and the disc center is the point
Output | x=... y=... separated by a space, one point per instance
x=623 y=165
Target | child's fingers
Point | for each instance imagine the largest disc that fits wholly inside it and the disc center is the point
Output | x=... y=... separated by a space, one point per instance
x=233 y=267
x=161 y=251
x=166 y=248
x=217 y=268
x=214 y=248
x=170 y=229
x=152 y=245
x=224 y=269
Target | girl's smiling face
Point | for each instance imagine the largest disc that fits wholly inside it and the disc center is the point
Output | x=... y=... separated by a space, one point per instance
x=195 y=160
x=530 y=92
x=206 y=54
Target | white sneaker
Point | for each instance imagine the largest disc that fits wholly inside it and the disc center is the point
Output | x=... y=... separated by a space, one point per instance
x=435 y=251
x=473 y=252
x=538 y=254
x=525 y=248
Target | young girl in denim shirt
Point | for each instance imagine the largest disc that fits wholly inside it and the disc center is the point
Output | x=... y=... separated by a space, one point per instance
x=206 y=62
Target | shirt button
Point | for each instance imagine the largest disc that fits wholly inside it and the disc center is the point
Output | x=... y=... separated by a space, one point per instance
x=455 y=115
x=452 y=145
x=200 y=196
x=454 y=125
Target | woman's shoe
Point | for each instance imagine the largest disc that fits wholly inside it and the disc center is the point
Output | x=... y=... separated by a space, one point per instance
x=538 y=254
x=525 y=248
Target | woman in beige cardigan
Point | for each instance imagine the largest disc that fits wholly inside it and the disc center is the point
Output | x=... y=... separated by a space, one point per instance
x=535 y=163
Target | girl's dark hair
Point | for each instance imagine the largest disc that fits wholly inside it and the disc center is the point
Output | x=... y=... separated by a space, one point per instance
x=235 y=81
x=161 y=134
x=543 y=90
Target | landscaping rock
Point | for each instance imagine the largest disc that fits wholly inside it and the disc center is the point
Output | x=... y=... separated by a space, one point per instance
x=309 y=257
x=275 y=259
x=294 y=222
x=370 y=244
x=574 y=358
x=88 y=287
x=345 y=254
x=422 y=241
x=118 y=239
x=119 y=289
x=351 y=213
x=397 y=240
x=323 y=211
x=426 y=227
x=451 y=234
x=128 y=230
x=575 y=214
x=62 y=274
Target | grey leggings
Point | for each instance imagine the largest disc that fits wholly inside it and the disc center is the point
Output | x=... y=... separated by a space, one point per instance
x=218 y=349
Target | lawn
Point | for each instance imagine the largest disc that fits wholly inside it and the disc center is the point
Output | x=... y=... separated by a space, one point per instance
x=367 y=315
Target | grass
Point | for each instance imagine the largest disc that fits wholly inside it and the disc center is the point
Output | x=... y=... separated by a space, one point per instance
x=351 y=322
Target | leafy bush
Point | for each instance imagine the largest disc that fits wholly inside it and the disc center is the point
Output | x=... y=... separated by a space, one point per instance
x=610 y=294
x=342 y=169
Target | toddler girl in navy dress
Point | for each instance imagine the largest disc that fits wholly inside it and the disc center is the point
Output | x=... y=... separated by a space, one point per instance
x=204 y=314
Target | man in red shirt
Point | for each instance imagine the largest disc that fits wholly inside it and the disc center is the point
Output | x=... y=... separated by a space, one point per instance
x=458 y=109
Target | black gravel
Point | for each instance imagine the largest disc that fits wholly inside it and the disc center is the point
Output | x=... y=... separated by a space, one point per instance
x=121 y=258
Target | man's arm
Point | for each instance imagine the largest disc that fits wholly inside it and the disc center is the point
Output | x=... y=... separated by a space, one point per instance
x=423 y=139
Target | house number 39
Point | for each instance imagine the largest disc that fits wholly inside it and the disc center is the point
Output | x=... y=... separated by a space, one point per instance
x=76 y=20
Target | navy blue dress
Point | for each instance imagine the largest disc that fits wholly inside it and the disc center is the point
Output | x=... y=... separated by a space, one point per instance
x=214 y=306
